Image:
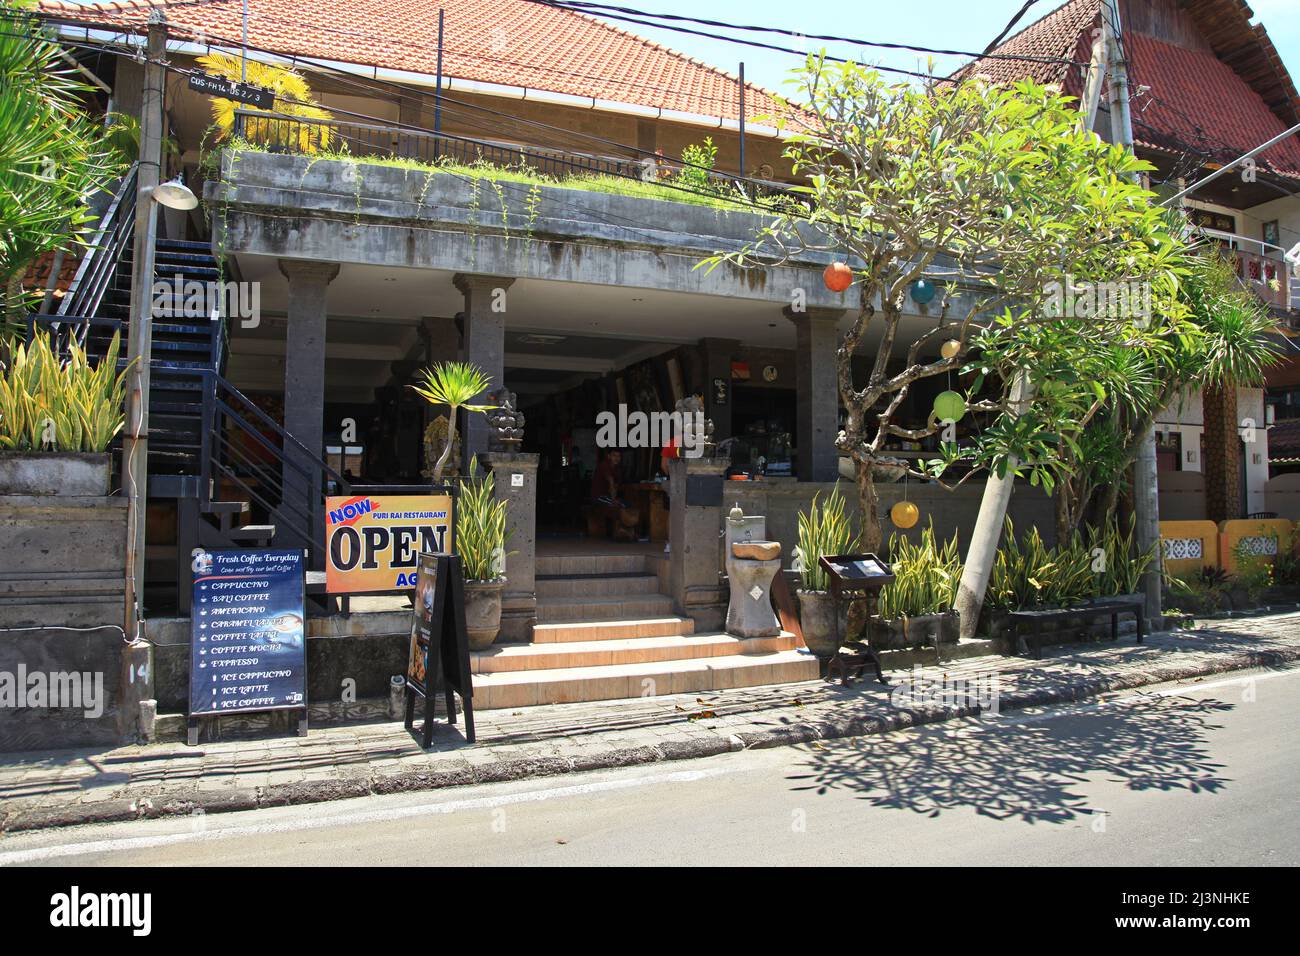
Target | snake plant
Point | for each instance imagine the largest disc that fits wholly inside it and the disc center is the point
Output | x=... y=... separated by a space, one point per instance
x=823 y=530
x=926 y=575
x=53 y=404
x=481 y=527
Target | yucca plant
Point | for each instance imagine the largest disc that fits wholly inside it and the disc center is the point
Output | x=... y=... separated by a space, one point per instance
x=453 y=384
x=481 y=528
x=926 y=576
x=48 y=404
x=823 y=529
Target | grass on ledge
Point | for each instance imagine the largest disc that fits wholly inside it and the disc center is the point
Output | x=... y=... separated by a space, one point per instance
x=522 y=173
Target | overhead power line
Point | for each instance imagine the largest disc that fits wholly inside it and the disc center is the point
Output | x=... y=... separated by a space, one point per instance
x=1008 y=28
x=579 y=6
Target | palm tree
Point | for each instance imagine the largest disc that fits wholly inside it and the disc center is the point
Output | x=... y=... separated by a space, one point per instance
x=52 y=155
x=453 y=384
x=293 y=97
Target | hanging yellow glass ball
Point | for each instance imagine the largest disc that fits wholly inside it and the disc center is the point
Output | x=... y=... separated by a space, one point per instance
x=904 y=514
x=949 y=406
x=950 y=349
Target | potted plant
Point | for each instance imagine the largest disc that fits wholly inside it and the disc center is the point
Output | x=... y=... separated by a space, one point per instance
x=823 y=530
x=916 y=608
x=453 y=384
x=480 y=539
x=57 y=419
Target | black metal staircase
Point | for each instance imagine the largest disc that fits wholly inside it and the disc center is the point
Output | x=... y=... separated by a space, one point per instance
x=222 y=473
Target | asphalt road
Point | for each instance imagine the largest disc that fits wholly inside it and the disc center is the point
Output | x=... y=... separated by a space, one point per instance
x=1201 y=774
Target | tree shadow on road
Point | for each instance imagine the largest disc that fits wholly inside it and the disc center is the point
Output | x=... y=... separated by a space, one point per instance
x=1031 y=769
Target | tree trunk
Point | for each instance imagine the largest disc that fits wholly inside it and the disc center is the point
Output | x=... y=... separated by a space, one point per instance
x=988 y=527
x=446 y=451
x=870 y=536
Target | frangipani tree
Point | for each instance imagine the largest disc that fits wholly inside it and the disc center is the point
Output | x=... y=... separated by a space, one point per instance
x=999 y=197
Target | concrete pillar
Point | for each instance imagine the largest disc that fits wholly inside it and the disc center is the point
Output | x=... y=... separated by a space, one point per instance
x=516 y=483
x=694 y=529
x=718 y=354
x=484 y=345
x=304 y=365
x=1222 y=463
x=817 y=417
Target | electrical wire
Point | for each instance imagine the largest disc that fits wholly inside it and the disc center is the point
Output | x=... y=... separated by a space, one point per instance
x=578 y=6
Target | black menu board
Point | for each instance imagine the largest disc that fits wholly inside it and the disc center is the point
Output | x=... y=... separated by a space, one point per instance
x=438 y=660
x=247 y=637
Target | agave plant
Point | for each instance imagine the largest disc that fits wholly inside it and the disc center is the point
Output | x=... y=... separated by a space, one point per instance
x=481 y=528
x=926 y=576
x=453 y=384
x=823 y=529
x=52 y=405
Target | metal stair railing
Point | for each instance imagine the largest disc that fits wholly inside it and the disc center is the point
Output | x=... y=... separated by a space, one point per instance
x=104 y=253
x=246 y=447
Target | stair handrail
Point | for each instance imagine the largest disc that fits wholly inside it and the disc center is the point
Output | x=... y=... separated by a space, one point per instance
x=224 y=403
x=96 y=269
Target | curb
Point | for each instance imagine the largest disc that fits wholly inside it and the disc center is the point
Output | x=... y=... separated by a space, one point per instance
x=459 y=773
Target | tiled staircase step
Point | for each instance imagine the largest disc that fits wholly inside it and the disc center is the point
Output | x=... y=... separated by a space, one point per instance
x=635 y=650
x=596 y=586
x=589 y=608
x=617 y=681
x=621 y=629
x=567 y=564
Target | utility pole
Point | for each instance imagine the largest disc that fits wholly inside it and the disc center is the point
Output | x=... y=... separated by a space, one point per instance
x=742 y=119
x=135 y=445
x=1146 y=497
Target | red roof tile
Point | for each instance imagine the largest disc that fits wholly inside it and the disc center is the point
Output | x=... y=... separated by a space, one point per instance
x=1196 y=102
x=510 y=42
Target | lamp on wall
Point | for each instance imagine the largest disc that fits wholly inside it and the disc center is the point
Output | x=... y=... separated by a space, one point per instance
x=174 y=194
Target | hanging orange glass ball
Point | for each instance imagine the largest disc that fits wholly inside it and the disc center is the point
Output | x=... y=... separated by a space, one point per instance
x=837 y=276
x=904 y=514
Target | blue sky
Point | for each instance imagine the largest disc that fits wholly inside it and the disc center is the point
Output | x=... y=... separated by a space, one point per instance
x=943 y=24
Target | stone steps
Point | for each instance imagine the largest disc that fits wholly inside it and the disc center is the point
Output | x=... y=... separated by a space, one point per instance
x=622 y=629
x=594 y=585
x=603 y=608
x=557 y=565
x=635 y=650
x=525 y=688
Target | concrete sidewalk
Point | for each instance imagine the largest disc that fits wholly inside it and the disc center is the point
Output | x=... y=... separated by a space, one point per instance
x=69 y=787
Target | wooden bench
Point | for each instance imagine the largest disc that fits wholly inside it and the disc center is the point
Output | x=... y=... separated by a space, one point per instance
x=1112 y=606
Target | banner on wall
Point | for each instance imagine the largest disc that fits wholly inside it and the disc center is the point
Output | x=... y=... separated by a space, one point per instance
x=373 y=541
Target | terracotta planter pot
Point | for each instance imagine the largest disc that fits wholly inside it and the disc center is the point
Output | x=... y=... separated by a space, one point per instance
x=65 y=473
x=483 y=612
x=817 y=618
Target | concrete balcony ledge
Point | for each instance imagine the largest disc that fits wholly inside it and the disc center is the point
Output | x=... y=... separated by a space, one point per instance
x=332 y=210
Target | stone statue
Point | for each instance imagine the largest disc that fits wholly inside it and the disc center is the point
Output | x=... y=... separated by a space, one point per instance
x=505 y=422
x=691 y=409
x=435 y=439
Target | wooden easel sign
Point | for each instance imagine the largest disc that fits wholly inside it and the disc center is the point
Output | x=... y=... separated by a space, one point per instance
x=438 y=661
x=247 y=635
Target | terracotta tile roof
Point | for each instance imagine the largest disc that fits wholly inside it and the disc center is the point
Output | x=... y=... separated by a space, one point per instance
x=1196 y=100
x=511 y=42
